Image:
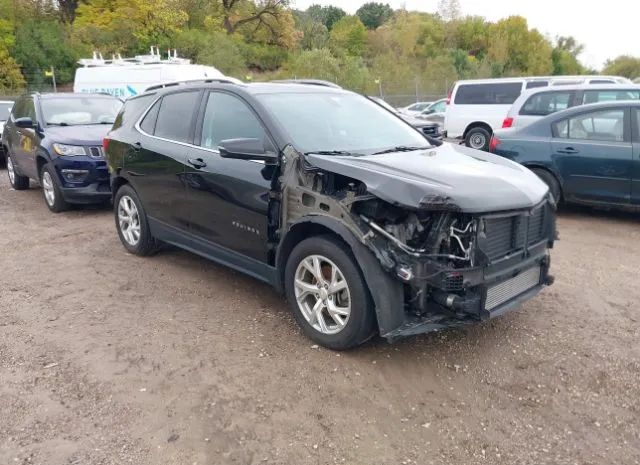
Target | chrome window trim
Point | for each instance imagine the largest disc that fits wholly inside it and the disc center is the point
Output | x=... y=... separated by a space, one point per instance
x=185 y=144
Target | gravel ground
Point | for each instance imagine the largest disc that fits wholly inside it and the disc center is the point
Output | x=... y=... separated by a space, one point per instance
x=106 y=358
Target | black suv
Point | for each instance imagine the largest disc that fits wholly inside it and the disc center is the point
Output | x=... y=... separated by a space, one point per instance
x=363 y=223
x=56 y=139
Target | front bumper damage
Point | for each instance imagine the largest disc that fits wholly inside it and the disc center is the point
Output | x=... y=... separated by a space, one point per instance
x=428 y=268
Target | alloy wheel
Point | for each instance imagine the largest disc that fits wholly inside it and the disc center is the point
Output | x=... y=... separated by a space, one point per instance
x=11 y=171
x=322 y=294
x=129 y=220
x=49 y=189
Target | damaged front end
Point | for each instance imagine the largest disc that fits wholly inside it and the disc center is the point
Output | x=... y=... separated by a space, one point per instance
x=438 y=265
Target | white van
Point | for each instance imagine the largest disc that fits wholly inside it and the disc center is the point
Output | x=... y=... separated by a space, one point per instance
x=477 y=107
x=127 y=77
x=538 y=103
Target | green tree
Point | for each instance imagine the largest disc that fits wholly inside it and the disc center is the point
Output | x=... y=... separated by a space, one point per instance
x=373 y=14
x=41 y=45
x=11 y=78
x=565 y=56
x=348 y=36
x=624 y=65
x=327 y=15
x=472 y=36
x=128 y=26
x=214 y=48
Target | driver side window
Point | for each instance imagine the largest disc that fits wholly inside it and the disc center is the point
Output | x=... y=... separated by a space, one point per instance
x=228 y=117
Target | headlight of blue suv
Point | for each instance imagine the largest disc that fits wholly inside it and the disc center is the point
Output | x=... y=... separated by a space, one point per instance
x=69 y=150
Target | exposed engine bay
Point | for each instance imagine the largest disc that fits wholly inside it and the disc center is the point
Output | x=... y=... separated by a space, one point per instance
x=444 y=258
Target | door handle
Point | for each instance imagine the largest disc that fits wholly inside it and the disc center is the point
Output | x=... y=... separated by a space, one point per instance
x=137 y=146
x=197 y=163
x=568 y=150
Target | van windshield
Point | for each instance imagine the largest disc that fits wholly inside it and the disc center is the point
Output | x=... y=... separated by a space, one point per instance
x=78 y=111
x=340 y=123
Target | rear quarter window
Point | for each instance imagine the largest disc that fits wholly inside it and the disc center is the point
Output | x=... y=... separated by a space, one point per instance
x=488 y=94
x=595 y=96
x=132 y=110
x=545 y=103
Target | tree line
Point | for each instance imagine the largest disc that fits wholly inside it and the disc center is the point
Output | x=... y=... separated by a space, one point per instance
x=263 y=39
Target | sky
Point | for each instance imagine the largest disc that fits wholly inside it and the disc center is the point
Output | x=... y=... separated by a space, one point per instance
x=607 y=29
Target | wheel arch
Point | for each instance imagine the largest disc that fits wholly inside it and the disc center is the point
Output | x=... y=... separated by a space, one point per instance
x=387 y=293
x=548 y=169
x=477 y=124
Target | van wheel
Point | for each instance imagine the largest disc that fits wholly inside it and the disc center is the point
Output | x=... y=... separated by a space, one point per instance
x=328 y=296
x=17 y=181
x=551 y=181
x=131 y=223
x=478 y=138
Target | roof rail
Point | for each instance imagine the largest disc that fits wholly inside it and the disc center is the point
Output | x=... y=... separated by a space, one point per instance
x=311 y=82
x=222 y=80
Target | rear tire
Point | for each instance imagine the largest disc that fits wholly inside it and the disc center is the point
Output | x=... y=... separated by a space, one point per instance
x=478 y=138
x=51 y=190
x=17 y=181
x=334 y=310
x=131 y=223
x=551 y=181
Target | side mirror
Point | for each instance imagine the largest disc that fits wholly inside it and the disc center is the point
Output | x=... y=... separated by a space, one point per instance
x=247 y=149
x=428 y=112
x=24 y=122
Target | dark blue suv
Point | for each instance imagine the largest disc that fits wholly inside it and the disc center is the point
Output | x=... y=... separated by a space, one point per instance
x=56 y=139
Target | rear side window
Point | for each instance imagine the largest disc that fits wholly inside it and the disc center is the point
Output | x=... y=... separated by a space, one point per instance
x=607 y=125
x=545 y=103
x=602 y=81
x=488 y=94
x=175 y=115
x=595 y=96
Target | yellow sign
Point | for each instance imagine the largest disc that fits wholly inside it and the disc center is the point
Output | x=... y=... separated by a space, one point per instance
x=48 y=73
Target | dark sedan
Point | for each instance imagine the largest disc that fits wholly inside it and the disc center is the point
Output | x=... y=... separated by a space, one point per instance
x=588 y=154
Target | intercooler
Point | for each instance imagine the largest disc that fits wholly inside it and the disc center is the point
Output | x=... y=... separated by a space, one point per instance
x=507 y=290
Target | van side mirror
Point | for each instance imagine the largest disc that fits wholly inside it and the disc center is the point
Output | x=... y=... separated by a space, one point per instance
x=247 y=149
x=24 y=122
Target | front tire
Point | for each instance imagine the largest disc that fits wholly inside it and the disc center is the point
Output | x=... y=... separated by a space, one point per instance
x=51 y=190
x=478 y=138
x=131 y=223
x=551 y=181
x=17 y=181
x=328 y=295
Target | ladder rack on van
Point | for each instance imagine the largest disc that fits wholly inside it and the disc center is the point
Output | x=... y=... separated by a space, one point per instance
x=154 y=58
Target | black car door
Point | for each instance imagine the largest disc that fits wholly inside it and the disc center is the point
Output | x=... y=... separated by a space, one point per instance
x=228 y=198
x=155 y=162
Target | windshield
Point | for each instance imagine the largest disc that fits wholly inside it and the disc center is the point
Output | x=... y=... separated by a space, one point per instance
x=74 y=111
x=336 y=122
x=5 y=109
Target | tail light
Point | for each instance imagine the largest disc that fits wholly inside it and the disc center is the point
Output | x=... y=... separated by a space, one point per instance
x=448 y=97
x=507 y=123
x=493 y=145
x=105 y=143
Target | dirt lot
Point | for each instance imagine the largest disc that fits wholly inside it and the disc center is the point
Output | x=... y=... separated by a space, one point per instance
x=106 y=358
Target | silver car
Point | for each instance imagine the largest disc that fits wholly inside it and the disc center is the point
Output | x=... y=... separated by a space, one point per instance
x=537 y=103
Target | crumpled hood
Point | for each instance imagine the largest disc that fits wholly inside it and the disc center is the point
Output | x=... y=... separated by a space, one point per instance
x=445 y=177
x=78 y=135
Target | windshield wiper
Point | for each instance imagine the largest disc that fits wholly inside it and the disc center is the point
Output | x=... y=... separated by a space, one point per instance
x=328 y=152
x=58 y=124
x=401 y=148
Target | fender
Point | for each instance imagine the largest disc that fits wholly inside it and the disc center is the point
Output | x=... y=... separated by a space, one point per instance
x=387 y=292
